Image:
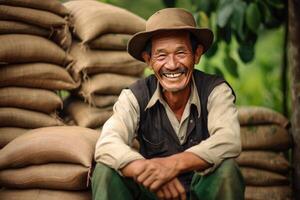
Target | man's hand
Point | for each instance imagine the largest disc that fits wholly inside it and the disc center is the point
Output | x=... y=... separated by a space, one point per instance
x=172 y=190
x=134 y=169
x=157 y=172
x=151 y=173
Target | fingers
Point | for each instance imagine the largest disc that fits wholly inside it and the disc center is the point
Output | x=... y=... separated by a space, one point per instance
x=180 y=189
x=172 y=190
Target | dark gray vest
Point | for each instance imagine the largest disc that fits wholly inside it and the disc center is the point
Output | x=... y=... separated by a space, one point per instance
x=156 y=135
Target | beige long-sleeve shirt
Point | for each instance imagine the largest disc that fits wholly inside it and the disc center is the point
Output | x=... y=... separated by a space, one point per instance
x=114 y=147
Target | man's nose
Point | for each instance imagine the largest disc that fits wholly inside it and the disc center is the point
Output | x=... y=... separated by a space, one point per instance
x=171 y=63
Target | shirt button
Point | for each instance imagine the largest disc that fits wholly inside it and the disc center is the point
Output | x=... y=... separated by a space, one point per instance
x=191 y=121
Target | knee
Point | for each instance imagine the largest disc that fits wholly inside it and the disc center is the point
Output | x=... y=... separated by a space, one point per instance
x=102 y=174
x=228 y=172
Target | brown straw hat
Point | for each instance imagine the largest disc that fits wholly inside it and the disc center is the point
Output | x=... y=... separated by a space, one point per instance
x=164 y=20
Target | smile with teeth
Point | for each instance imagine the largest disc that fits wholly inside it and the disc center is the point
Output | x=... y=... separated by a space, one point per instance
x=173 y=75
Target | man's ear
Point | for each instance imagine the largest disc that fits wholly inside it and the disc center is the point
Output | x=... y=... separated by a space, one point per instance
x=198 y=53
x=146 y=57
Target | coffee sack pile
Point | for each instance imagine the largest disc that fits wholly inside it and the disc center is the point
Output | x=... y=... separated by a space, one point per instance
x=265 y=140
x=101 y=62
x=48 y=164
x=34 y=38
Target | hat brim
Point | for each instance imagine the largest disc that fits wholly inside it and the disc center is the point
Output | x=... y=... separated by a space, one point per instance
x=138 y=41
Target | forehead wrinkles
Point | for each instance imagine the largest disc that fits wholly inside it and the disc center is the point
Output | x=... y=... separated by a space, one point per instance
x=170 y=40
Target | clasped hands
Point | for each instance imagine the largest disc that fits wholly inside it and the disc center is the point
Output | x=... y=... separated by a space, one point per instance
x=159 y=175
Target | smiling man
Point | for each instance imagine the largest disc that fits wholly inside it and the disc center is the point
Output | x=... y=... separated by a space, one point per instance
x=184 y=120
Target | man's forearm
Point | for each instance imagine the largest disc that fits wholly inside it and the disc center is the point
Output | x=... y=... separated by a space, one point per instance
x=187 y=161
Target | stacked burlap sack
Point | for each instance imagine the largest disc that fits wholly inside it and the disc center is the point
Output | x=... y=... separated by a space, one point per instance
x=47 y=18
x=34 y=37
x=265 y=140
x=48 y=164
x=101 y=62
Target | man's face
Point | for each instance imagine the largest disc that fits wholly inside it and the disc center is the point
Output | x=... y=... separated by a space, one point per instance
x=172 y=59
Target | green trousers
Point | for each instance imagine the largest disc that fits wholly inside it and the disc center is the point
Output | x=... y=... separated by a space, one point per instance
x=225 y=183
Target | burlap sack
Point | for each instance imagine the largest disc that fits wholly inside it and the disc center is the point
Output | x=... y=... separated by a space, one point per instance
x=32 y=16
x=7 y=134
x=58 y=176
x=33 y=99
x=16 y=117
x=111 y=41
x=92 y=19
x=265 y=137
x=258 y=177
x=87 y=116
x=264 y=160
x=269 y=193
x=102 y=101
x=60 y=36
x=53 y=6
x=254 y=115
x=106 y=83
x=67 y=144
x=96 y=61
x=37 y=75
x=22 y=48
x=14 y=27
x=38 y=194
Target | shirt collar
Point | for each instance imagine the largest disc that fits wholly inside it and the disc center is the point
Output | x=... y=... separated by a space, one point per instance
x=157 y=96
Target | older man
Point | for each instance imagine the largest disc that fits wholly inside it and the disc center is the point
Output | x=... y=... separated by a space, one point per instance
x=184 y=120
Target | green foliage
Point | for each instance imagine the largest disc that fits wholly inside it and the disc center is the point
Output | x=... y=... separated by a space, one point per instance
x=242 y=20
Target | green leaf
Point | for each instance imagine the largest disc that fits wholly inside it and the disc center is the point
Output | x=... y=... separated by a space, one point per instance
x=224 y=34
x=212 y=50
x=218 y=71
x=246 y=52
x=253 y=17
x=202 y=19
x=203 y=5
x=224 y=12
x=231 y=66
x=237 y=21
x=169 y=3
x=279 y=4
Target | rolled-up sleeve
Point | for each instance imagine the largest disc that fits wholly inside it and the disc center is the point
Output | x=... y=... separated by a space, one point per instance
x=114 y=146
x=223 y=126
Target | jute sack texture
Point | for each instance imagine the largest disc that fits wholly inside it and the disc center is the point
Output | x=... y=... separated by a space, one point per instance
x=14 y=27
x=17 y=117
x=265 y=137
x=42 y=194
x=7 y=134
x=97 y=61
x=258 y=177
x=65 y=144
x=268 y=193
x=87 y=116
x=102 y=101
x=53 y=6
x=93 y=18
x=105 y=83
x=29 y=98
x=266 y=160
x=253 y=115
x=111 y=41
x=32 y=16
x=37 y=75
x=60 y=176
x=22 y=48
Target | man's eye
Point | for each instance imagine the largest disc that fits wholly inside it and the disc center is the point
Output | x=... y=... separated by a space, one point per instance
x=161 y=56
